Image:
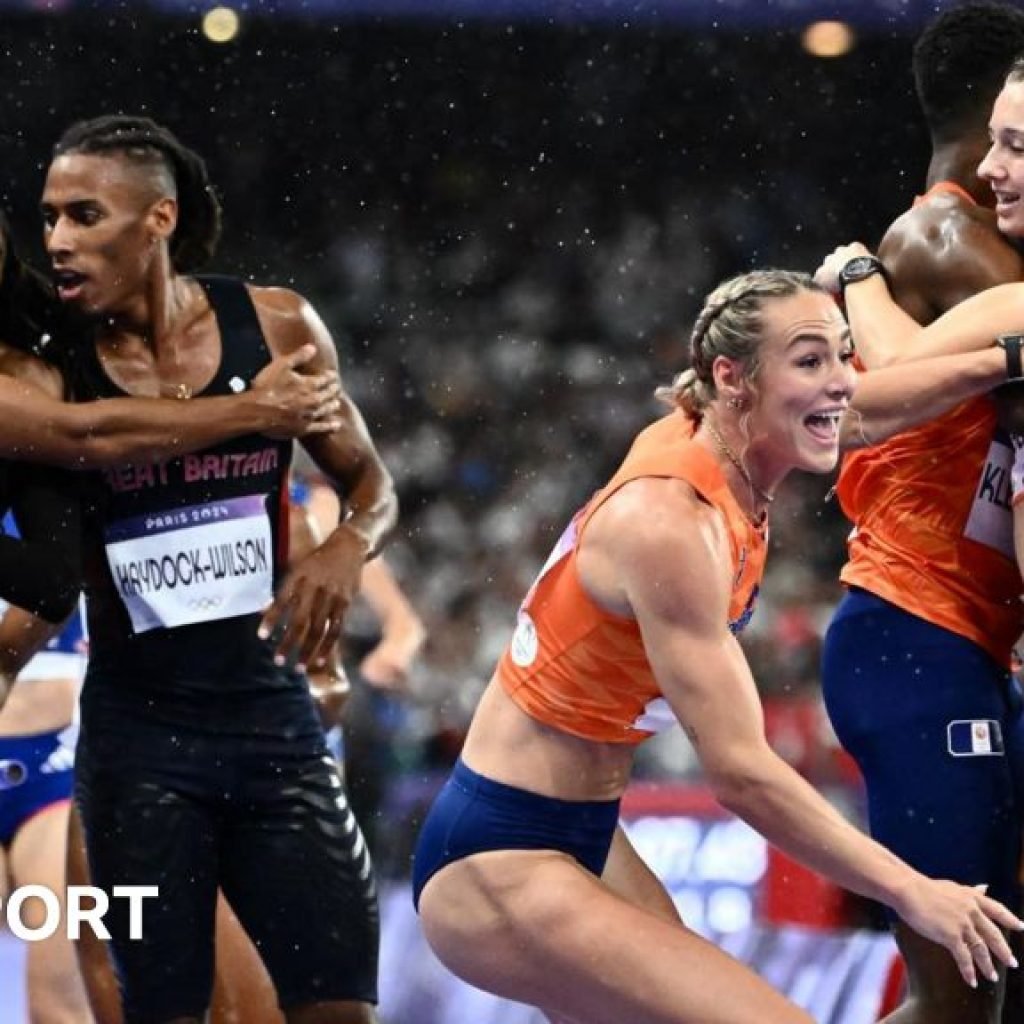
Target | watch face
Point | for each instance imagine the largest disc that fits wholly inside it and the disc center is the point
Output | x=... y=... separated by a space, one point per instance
x=858 y=268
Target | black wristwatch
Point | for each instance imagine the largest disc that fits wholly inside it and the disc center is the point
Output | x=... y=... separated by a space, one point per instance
x=1011 y=345
x=859 y=268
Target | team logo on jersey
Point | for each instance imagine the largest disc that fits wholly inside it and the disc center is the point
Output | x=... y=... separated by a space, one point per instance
x=965 y=738
x=523 y=648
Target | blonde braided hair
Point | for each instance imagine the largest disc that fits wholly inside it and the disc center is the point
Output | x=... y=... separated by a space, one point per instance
x=730 y=325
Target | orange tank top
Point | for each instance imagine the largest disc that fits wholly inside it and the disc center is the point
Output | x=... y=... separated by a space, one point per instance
x=583 y=670
x=933 y=528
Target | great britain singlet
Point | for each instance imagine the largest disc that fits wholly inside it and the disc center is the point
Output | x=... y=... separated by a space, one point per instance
x=182 y=557
x=583 y=670
x=933 y=529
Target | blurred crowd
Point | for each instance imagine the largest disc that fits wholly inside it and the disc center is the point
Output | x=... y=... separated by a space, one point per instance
x=503 y=391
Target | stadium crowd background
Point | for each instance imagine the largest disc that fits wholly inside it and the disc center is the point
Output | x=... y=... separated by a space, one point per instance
x=508 y=227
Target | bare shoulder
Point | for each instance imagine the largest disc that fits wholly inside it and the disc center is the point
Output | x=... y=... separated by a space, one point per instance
x=944 y=226
x=655 y=541
x=277 y=301
x=655 y=506
x=942 y=252
x=289 y=321
x=30 y=369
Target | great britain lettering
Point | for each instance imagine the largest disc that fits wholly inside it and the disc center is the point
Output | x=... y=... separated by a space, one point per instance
x=192 y=469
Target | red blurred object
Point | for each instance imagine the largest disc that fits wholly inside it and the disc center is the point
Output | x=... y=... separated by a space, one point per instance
x=895 y=987
x=794 y=895
x=799 y=731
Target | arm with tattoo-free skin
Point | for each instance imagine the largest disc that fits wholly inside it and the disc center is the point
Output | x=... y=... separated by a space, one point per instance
x=885 y=335
x=677 y=582
x=37 y=425
x=899 y=397
x=944 y=251
x=310 y=604
x=937 y=255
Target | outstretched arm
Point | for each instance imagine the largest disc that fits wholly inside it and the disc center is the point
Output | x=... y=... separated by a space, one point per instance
x=37 y=425
x=678 y=583
x=897 y=398
x=942 y=252
x=884 y=335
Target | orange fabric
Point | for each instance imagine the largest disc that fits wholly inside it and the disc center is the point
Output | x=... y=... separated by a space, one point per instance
x=947 y=187
x=583 y=670
x=933 y=530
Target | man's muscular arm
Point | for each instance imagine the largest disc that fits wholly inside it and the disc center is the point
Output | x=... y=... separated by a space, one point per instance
x=38 y=426
x=311 y=603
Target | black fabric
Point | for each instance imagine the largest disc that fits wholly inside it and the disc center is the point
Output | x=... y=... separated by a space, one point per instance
x=40 y=571
x=217 y=673
x=29 y=312
x=266 y=823
x=201 y=763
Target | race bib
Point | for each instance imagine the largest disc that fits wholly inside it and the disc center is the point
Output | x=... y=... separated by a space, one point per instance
x=990 y=521
x=194 y=564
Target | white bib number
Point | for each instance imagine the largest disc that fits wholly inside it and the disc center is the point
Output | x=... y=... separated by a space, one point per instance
x=990 y=521
x=194 y=564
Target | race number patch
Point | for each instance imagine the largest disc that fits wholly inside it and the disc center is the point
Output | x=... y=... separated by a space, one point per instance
x=193 y=564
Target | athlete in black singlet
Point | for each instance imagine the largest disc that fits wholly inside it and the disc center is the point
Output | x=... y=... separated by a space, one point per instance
x=202 y=762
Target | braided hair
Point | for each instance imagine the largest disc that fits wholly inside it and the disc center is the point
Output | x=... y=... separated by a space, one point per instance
x=730 y=325
x=143 y=141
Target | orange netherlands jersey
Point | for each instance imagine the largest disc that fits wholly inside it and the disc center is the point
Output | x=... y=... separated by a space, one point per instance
x=583 y=670
x=933 y=528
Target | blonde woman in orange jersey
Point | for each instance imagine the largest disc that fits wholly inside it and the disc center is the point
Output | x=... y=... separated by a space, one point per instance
x=525 y=884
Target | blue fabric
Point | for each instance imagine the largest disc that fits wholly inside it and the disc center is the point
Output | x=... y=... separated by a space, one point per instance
x=35 y=771
x=919 y=708
x=473 y=814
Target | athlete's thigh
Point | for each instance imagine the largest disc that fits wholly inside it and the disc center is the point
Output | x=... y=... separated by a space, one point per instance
x=924 y=713
x=627 y=875
x=37 y=852
x=37 y=857
x=536 y=927
x=94 y=961
x=242 y=989
x=144 y=828
x=296 y=871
